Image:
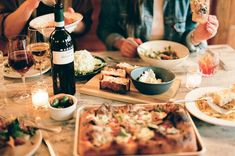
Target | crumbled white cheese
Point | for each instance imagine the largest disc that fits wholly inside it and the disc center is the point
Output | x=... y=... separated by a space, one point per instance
x=172 y=130
x=149 y=77
x=123 y=137
x=102 y=135
x=145 y=134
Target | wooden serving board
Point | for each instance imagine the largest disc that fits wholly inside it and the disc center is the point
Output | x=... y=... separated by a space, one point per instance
x=134 y=96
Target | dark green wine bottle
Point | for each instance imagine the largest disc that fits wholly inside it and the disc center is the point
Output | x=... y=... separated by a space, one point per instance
x=62 y=55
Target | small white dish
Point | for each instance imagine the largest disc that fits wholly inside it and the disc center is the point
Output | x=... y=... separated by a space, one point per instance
x=61 y=114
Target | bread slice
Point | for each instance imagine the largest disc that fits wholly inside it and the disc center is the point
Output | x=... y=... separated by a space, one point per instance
x=126 y=66
x=110 y=71
x=115 y=84
x=223 y=97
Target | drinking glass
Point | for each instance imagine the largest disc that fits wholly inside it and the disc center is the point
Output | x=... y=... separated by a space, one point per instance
x=193 y=77
x=19 y=58
x=2 y=87
x=208 y=64
x=38 y=47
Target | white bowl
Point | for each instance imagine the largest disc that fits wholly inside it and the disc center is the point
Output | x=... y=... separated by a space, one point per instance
x=61 y=114
x=160 y=45
x=41 y=22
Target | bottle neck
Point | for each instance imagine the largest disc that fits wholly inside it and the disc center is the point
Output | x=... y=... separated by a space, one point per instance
x=59 y=15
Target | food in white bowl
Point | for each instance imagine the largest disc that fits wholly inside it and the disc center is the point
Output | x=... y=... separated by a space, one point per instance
x=62 y=106
x=45 y=24
x=166 y=54
x=148 y=52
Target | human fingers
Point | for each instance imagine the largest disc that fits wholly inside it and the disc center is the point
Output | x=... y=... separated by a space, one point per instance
x=138 y=41
x=132 y=41
x=71 y=10
x=212 y=29
x=128 y=50
x=128 y=53
x=213 y=20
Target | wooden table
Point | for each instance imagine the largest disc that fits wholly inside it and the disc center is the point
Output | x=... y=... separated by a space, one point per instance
x=218 y=140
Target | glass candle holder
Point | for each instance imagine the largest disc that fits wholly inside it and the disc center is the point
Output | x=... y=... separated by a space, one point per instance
x=39 y=96
x=193 y=77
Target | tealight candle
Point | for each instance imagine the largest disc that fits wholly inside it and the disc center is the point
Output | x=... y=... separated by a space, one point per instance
x=193 y=78
x=40 y=97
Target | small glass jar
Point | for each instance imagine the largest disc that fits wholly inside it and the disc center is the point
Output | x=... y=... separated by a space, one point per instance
x=40 y=96
x=193 y=77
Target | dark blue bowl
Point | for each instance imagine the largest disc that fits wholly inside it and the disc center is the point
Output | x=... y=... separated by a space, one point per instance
x=153 y=89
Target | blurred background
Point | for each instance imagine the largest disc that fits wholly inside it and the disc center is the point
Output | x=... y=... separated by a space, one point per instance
x=223 y=9
x=225 y=12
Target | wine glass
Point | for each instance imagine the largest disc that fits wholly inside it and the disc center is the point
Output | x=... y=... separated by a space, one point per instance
x=2 y=87
x=38 y=47
x=19 y=58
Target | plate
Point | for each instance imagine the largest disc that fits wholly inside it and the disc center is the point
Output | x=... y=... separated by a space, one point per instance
x=8 y=72
x=195 y=111
x=41 y=22
x=98 y=68
x=30 y=147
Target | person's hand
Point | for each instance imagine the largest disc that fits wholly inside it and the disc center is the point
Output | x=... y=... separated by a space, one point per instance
x=71 y=10
x=80 y=26
x=129 y=46
x=33 y=4
x=205 y=31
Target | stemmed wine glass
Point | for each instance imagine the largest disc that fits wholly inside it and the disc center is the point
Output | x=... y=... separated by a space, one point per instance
x=2 y=87
x=38 y=47
x=19 y=58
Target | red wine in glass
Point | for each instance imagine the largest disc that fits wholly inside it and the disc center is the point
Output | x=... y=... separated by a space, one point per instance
x=21 y=61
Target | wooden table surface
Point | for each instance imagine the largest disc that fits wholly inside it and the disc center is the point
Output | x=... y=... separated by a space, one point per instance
x=218 y=140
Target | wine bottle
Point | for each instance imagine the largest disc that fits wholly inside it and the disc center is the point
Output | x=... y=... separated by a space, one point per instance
x=62 y=55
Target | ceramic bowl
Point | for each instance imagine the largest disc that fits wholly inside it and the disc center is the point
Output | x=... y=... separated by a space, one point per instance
x=61 y=114
x=40 y=23
x=165 y=75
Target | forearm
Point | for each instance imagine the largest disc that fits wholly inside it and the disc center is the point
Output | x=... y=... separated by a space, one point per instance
x=16 y=21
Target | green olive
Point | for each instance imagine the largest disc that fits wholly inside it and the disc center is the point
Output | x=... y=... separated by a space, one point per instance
x=64 y=100
x=55 y=103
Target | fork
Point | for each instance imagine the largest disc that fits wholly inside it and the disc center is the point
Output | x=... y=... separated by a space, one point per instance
x=218 y=108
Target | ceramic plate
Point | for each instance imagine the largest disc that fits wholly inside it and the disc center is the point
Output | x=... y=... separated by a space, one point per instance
x=195 y=111
x=29 y=148
x=98 y=67
x=33 y=71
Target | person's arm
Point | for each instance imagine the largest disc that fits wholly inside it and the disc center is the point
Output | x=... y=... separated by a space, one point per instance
x=196 y=36
x=108 y=30
x=187 y=38
x=15 y=22
x=84 y=7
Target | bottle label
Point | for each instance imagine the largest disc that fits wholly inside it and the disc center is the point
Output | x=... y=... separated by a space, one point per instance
x=59 y=24
x=63 y=57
